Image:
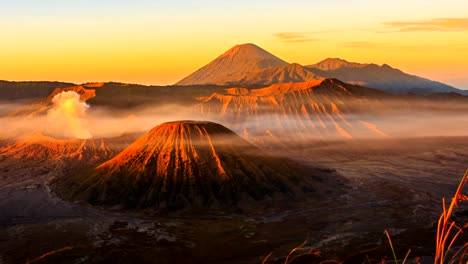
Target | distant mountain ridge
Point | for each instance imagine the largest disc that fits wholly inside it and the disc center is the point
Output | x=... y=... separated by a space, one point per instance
x=250 y=65
x=382 y=77
x=28 y=90
x=335 y=63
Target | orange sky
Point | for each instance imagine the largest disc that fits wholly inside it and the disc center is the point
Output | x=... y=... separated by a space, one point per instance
x=150 y=42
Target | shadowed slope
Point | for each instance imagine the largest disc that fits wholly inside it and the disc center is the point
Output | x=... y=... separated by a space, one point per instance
x=28 y=91
x=188 y=163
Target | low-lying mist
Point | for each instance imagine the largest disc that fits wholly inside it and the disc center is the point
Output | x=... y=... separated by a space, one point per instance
x=70 y=118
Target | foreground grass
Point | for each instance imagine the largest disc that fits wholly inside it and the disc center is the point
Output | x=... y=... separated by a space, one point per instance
x=447 y=235
x=45 y=255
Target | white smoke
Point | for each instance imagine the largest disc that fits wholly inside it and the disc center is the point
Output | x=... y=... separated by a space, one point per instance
x=66 y=118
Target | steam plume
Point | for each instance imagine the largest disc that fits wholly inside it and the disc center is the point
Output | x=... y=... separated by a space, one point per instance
x=65 y=118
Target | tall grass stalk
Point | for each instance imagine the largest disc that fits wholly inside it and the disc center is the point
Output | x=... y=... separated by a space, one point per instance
x=391 y=246
x=447 y=231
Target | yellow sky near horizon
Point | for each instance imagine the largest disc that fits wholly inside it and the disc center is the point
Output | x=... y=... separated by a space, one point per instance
x=151 y=42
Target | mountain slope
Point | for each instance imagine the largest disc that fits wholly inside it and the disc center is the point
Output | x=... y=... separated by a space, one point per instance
x=248 y=65
x=315 y=109
x=188 y=163
x=233 y=66
x=39 y=147
x=291 y=73
x=382 y=77
x=38 y=156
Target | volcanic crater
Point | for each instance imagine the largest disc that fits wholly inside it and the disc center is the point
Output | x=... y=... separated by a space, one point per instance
x=193 y=164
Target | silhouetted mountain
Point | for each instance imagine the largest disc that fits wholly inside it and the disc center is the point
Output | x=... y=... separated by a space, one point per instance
x=28 y=90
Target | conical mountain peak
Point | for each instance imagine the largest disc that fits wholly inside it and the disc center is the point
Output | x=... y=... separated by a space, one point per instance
x=234 y=65
x=250 y=51
x=188 y=163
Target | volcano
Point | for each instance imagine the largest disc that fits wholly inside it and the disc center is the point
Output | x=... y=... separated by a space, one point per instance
x=248 y=65
x=317 y=109
x=41 y=107
x=233 y=66
x=190 y=164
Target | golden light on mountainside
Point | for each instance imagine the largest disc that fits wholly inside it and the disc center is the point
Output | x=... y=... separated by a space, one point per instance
x=314 y=108
x=193 y=163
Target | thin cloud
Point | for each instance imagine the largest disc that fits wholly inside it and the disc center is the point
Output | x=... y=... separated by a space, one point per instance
x=436 y=24
x=386 y=46
x=295 y=37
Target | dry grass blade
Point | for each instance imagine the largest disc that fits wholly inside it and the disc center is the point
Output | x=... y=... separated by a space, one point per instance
x=465 y=252
x=43 y=256
x=440 y=233
x=266 y=258
x=310 y=252
x=445 y=228
x=290 y=257
x=458 y=194
x=439 y=226
x=391 y=246
x=444 y=242
x=455 y=237
x=463 y=249
x=294 y=250
x=407 y=255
